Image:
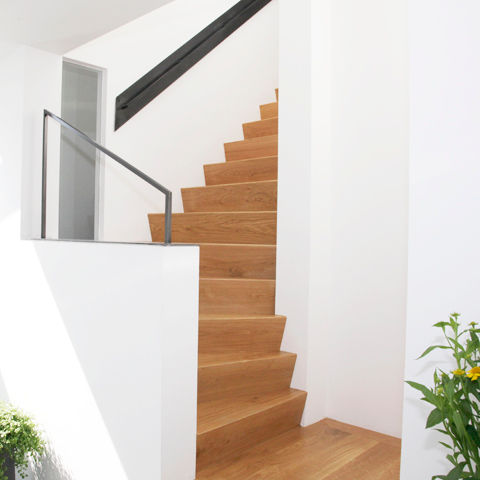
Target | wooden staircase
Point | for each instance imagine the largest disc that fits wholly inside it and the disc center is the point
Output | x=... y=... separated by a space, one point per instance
x=244 y=394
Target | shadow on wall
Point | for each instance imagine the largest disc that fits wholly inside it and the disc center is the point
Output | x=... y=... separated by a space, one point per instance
x=3 y=390
x=50 y=468
x=101 y=294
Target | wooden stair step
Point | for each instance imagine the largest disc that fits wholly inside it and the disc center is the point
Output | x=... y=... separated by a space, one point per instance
x=236 y=197
x=231 y=375
x=276 y=93
x=241 y=171
x=269 y=110
x=261 y=128
x=240 y=334
x=245 y=296
x=237 y=261
x=252 y=148
x=217 y=227
x=227 y=427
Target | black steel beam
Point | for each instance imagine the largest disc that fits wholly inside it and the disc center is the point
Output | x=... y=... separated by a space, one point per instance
x=143 y=91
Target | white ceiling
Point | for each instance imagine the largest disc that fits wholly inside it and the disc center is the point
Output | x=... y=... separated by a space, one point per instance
x=60 y=25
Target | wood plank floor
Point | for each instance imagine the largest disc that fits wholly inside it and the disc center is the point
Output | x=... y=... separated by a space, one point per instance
x=328 y=450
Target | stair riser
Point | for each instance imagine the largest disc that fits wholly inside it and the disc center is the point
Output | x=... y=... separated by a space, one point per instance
x=260 y=196
x=237 y=261
x=245 y=378
x=233 y=438
x=254 y=335
x=239 y=228
x=254 y=170
x=261 y=128
x=252 y=148
x=270 y=110
x=242 y=297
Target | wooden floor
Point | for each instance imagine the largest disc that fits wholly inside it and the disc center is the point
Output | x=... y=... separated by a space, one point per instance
x=328 y=450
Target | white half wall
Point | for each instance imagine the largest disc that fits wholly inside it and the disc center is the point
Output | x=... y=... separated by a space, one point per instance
x=444 y=258
x=99 y=343
x=186 y=126
x=343 y=204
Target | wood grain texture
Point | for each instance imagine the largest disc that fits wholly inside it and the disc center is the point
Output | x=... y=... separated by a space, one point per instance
x=240 y=334
x=238 y=197
x=326 y=450
x=226 y=428
x=237 y=261
x=252 y=170
x=222 y=227
x=260 y=128
x=228 y=376
x=225 y=296
x=269 y=110
x=252 y=148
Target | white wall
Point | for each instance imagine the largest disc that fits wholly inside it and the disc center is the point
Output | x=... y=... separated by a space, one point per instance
x=98 y=340
x=188 y=123
x=31 y=79
x=86 y=347
x=343 y=206
x=444 y=258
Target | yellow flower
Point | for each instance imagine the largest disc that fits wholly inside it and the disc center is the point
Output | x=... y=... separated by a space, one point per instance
x=459 y=372
x=474 y=373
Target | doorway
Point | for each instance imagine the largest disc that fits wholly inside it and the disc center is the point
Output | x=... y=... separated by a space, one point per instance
x=82 y=100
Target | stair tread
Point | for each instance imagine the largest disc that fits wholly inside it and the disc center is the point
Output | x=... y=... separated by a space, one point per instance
x=255 y=140
x=256 y=147
x=243 y=280
x=232 y=197
x=233 y=316
x=242 y=212
x=209 y=360
x=239 y=184
x=245 y=170
x=262 y=120
x=238 y=162
x=260 y=128
x=269 y=110
x=217 y=413
x=247 y=227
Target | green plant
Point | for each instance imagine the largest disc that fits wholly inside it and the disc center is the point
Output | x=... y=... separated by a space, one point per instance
x=20 y=440
x=455 y=397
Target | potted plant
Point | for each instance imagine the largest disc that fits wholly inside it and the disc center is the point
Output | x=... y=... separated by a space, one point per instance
x=455 y=397
x=20 y=441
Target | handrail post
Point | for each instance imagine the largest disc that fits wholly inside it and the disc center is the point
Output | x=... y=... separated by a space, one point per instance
x=168 y=218
x=43 y=234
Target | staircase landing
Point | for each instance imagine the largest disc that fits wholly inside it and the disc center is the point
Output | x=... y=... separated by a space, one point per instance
x=328 y=450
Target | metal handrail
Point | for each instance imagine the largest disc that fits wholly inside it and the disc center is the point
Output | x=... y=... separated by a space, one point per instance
x=136 y=171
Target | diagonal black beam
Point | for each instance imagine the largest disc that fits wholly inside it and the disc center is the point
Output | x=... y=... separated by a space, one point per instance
x=143 y=91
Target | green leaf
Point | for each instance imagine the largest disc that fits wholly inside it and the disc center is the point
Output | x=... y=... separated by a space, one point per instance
x=456 y=473
x=429 y=395
x=472 y=431
x=431 y=348
x=446 y=445
x=442 y=324
x=457 y=419
x=434 y=418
